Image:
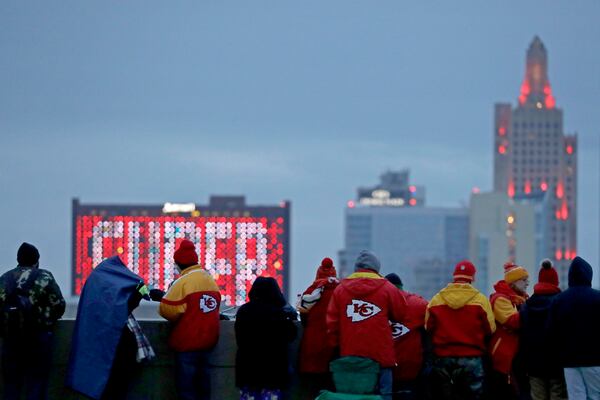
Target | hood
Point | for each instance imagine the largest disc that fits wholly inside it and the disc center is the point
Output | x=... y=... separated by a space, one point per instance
x=580 y=273
x=363 y=283
x=543 y=288
x=502 y=288
x=456 y=295
x=266 y=290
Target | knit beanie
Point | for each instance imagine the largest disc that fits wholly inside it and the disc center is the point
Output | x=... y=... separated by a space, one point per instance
x=367 y=260
x=548 y=273
x=326 y=269
x=464 y=271
x=185 y=255
x=514 y=272
x=394 y=280
x=27 y=255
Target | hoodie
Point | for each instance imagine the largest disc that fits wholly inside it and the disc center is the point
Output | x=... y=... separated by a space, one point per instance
x=459 y=319
x=573 y=325
x=358 y=317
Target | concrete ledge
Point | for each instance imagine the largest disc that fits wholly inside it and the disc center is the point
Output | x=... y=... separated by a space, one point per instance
x=156 y=380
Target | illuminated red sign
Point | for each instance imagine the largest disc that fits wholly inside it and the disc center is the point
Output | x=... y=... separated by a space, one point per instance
x=235 y=250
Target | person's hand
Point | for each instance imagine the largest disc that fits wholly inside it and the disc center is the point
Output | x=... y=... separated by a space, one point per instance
x=156 y=294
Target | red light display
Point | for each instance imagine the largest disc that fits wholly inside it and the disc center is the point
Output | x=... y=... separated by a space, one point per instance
x=560 y=190
x=502 y=149
x=527 y=188
x=511 y=189
x=412 y=202
x=502 y=131
x=544 y=186
x=569 y=149
x=234 y=250
x=558 y=255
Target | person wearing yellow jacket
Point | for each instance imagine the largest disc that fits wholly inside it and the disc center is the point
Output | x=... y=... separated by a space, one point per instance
x=510 y=294
x=192 y=305
x=460 y=321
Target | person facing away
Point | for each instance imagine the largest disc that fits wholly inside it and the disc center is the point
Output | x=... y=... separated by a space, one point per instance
x=408 y=344
x=359 y=315
x=192 y=305
x=264 y=327
x=108 y=344
x=460 y=321
x=546 y=378
x=30 y=304
x=315 y=352
x=574 y=330
x=510 y=294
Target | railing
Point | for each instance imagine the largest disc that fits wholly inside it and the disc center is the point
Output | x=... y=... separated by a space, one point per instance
x=156 y=380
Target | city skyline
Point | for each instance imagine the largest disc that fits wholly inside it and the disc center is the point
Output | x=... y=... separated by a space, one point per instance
x=144 y=103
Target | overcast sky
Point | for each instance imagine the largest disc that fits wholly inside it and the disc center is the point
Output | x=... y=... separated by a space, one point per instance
x=154 y=101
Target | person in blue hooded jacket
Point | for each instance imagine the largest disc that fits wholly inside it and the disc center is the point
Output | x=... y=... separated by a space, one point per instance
x=574 y=331
x=107 y=341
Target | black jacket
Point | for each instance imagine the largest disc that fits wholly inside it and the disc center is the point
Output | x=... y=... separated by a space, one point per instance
x=537 y=354
x=264 y=327
x=574 y=323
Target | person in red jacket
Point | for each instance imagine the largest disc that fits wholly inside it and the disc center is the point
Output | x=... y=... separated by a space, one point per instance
x=315 y=353
x=192 y=304
x=358 y=317
x=408 y=344
x=511 y=293
x=460 y=320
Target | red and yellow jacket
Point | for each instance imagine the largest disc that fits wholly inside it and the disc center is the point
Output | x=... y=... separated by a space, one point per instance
x=359 y=314
x=505 y=342
x=460 y=320
x=192 y=303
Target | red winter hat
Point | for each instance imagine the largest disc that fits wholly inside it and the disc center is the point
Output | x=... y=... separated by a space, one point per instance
x=464 y=272
x=548 y=274
x=185 y=255
x=326 y=269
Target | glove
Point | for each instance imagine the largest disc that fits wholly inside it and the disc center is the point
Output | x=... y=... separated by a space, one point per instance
x=156 y=294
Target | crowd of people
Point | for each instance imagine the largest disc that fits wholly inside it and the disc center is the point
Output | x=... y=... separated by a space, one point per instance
x=461 y=344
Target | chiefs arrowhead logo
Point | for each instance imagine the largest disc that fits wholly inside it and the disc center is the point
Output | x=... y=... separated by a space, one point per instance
x=398 y=330
x=207 y=303
x=360 y=310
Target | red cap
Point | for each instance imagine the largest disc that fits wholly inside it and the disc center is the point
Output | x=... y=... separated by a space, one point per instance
x=185 y=255
x=326 y=269
x=548 y=273
x=464 y=272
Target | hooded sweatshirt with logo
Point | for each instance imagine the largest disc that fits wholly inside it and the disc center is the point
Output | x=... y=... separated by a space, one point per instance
x=192 y=303
x=459 y=319
x=359 y=315
x=574 y=322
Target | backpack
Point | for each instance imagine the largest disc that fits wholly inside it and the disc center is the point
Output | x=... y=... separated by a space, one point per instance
x=17 y=314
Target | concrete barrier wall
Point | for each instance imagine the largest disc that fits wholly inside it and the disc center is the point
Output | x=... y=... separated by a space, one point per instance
x=156 y=380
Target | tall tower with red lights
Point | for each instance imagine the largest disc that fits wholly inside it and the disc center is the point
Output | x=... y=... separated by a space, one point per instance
x=533 y=157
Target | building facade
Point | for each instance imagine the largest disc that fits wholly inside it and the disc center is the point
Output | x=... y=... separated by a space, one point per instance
x=502 y=229
x=420 y=244
x=533 y=156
